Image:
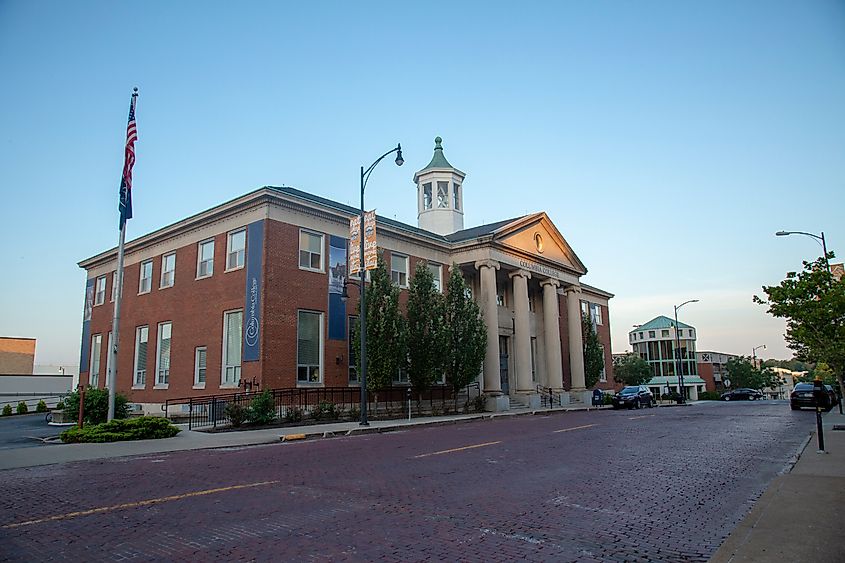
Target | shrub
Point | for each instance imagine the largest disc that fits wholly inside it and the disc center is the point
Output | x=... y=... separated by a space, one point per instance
x=607 y=399
x=354 y=413
x=61 y=405
x=479 y=403
x=41 y=407
x=236 y=414
x=709 y=396
x=293 y=414
x=262 y=410
x=96 y=406
x=325 y=410
x=22 y=408
x=7 y=410
x=142 y=428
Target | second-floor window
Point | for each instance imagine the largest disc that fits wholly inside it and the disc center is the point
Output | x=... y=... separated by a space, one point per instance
x=168 y=269
x=310 y=251
x=146 y=281
x=100 y=291
x=205 y=259
x=437 y=272
x=236 y=245
x=399 y=270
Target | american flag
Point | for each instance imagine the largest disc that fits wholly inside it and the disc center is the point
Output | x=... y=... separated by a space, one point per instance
x=125 y=205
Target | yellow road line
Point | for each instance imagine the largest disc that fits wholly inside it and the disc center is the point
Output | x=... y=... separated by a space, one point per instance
x=136 y=504
x=575 y=428
x=636 y=417
x=458 y=449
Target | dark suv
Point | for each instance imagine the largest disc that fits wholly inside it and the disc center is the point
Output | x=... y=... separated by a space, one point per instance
x=633 y=397
x=802 y=396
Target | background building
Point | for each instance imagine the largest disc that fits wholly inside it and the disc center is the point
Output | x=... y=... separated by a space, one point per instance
x=249 y=292
x=655 y=342
x=17 y=355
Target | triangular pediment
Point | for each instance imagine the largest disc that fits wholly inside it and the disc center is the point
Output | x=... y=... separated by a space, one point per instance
x=537 y=236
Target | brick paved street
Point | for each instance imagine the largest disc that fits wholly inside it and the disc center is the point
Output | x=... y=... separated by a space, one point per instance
x=664 y=484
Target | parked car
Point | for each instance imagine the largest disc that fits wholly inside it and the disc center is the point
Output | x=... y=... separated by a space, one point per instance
x=633 y=397
x=802 y=396
x=742 y=394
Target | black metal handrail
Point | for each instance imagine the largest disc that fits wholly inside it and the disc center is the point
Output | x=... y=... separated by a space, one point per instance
x=548 y=398
x=323 y=403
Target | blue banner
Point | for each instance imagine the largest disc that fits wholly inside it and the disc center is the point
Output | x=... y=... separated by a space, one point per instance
x=252 y=303
x=86 y=326
x=337 y=277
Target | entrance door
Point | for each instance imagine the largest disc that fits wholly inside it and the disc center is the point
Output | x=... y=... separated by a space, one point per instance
x=503 y=364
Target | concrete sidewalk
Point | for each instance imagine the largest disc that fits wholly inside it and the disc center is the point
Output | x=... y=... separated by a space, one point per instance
x=193 y=440
x=801 y=515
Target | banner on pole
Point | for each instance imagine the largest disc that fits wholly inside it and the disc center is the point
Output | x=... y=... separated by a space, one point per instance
x=370 y=246
x=354 y=245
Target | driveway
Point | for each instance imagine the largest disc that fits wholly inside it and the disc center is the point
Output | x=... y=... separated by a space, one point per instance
x=24 y=430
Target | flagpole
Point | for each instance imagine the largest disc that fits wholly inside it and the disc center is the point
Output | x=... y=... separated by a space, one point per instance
x=125 y=207
x=115 y=338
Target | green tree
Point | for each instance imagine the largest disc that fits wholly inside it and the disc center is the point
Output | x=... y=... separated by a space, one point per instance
x=823 y=372
x=96 y=405
x=593 y=353
x=631 y=369
x=386 y=350
x=465 y=339
x=742 y=373
x=425 y=330
x=813 y=304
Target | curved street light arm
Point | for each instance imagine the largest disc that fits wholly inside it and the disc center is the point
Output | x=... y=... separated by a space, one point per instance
x=365 y=175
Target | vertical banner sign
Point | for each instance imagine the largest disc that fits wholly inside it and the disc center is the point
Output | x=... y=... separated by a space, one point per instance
x=252 y=303
x=354 y=245
x=370 y=246
x=86 y=326
x=337 y=277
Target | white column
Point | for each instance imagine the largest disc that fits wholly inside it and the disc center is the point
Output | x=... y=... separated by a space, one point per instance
x=576 y=342
x=522 y=332
x=490 y=311
x=551 y=320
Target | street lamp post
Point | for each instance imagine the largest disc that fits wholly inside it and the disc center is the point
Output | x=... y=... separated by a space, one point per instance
x=678 y=352
x=365 y=176
x=817 y=237
x=754 y=354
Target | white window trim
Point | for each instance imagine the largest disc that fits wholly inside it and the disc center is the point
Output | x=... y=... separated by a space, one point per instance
x=598 y=315
x=94 y=377
x=229 y=250
x=141 y=276
x=200 y=260
x=200 y=384
x=223 y=363
x=407 y=269
x=97 y=294
x=135 y=384
x=322 y=350
x=322 y=267
x=161 y=278
x=113 y=285
x=156 y=384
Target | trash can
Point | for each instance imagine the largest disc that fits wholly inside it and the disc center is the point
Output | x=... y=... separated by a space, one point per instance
x=598 y=398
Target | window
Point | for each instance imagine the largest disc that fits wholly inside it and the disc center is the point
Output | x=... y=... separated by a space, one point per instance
x=205 y=259
x=442 y=194
x=651 y=334
x=114 y=285
x=437 y=272
x=168 y=269
x=308 y=346
x=500 y=297
x=585 y=310
x=311 y=251
x=399 y=270
x=146 y=281
x=456 y=193
x=94 y=371
x=235 y=250
x=232 y=340
x=163 y=355
x=199 y=366
x=641 y=336
x=352 y=351
x=664 y=333
x=100 y=292
x=142 y=334
x=427 y=198
x=597 y=314
x=401 y=376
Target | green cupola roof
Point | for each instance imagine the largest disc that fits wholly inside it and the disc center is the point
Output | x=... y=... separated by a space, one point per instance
x=438 y=160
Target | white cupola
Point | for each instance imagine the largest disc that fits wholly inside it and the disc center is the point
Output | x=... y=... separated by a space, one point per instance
x=440 y=195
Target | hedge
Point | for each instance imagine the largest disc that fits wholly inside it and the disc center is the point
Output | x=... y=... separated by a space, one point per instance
x=142 y=428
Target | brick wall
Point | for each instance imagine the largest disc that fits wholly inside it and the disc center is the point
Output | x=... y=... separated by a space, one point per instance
x=17 y=355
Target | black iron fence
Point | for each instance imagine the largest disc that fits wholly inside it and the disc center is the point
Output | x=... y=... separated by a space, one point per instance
x=327 y=404
x=548 y=398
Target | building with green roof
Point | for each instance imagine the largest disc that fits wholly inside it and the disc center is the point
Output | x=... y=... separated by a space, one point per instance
x=655 y=342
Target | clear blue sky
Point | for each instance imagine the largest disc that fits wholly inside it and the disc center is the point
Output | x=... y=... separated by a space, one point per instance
x=668 y=141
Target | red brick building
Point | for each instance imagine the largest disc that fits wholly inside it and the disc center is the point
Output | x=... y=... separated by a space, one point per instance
x=249 y=291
